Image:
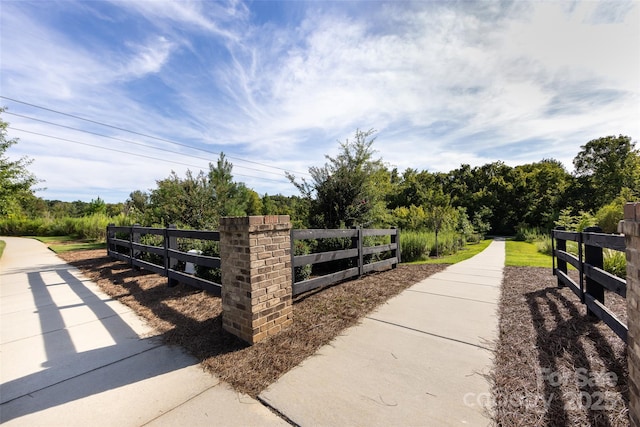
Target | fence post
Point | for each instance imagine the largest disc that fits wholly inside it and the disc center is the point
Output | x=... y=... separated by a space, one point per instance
x=293 y=254
x=561 y=245
x=395 y=238
x=134 y=237
x=593 y=256
x=170 y=242
x=631 y=229
x=255 y=258
x=110 y=235
x=358 y=243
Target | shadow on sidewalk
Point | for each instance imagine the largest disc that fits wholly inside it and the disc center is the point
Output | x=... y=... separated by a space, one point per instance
x=115 y=355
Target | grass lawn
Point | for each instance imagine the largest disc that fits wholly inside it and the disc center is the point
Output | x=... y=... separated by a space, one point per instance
x=60 y=244
x=523 y=254
x=469 y=250
x=2 y=245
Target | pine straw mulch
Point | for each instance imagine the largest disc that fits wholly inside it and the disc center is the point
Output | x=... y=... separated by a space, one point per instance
x=553 y=365
x=192 y=319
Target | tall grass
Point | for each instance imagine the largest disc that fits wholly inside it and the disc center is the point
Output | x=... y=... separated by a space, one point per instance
x=420 y=245
x=93 y=227
x=615 y=262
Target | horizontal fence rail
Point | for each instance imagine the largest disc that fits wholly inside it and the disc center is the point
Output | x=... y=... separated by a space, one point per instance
x=360 y=259
x=124 y=244
x=593 y=279
x=164 y=256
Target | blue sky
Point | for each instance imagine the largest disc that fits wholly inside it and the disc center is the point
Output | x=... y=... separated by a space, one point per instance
x=276 y=85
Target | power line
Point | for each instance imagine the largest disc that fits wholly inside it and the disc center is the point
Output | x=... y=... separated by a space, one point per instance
x=143 y=134
x=129 y=141
x=127 y=152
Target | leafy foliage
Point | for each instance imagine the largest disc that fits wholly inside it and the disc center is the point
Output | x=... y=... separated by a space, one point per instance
x=15 y=179
x=349 y=189
x=608 y=165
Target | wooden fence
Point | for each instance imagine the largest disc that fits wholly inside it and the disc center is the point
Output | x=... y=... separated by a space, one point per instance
x=123 y=243
x=357 y=253
x=593 y=279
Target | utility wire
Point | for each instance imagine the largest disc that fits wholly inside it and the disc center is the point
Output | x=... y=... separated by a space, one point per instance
x=143 y=134
x=127 y=152
x=130 y=142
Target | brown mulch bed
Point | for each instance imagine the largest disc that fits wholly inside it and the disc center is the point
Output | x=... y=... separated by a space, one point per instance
x=192 y=319
x=553 y=365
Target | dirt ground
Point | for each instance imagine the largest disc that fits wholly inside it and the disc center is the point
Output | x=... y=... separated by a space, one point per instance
x=553 y=366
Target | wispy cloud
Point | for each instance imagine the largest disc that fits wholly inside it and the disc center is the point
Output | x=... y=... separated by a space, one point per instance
x=444 y=83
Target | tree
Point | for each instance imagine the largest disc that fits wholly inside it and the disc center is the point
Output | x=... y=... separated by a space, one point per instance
x=349 y=189
x=229 y=197
x=541 y=191
x=439 y=214
x=608 y=165
x=15 y=180
x=96 y=206
x=197 y=201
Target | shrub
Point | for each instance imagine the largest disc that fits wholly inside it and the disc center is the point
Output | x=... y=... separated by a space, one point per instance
x=524 y=233
x=415 y=245
x=92 y=227
x=615 y=262
x=303 y=272
x=544 y=245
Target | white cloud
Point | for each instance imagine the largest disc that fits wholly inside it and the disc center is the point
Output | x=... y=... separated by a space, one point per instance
x=149 y=58
x=443 y=83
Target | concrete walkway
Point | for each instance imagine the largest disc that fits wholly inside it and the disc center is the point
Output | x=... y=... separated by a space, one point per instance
x=419 y=360
x=70 y=355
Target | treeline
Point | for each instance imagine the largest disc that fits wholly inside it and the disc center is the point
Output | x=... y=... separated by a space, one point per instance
x=356 y=188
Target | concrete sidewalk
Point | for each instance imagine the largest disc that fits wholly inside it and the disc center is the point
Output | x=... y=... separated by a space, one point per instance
x=419 y=360
x=70 y=355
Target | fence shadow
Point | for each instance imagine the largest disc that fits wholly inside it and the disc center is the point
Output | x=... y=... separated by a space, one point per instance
x=120 y=357
x=195 y=325
x=70 y=318
x=565 y=337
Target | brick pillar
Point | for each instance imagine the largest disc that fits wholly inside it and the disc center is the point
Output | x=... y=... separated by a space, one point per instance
x=255 y=256
x=631 y=229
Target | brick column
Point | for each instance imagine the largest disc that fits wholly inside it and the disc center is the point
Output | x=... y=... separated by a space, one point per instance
x=255 y=256
x=631 y=229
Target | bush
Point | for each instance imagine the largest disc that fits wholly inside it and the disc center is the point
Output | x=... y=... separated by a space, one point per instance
x=544 y=245
x=92 y=227
x=303 y=272
x=415 y=245
x=615 y=262
x=419 y=245
x=524 y=233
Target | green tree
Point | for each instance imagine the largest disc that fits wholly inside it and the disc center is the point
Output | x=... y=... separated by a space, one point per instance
x=16 y=181
x=96 y=206
x=608 y=165
x=440 y=215
x=540 y=188
x=346 y=191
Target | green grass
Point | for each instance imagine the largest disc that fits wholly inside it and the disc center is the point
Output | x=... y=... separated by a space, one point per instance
x=60 y=244
x=2 y=245
x=469 y=250
x=524 y=254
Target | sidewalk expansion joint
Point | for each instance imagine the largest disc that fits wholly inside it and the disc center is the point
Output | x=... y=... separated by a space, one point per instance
x=276 y=411
x=432 y=334
x=466 y=282
x=451 y=296
x=177 y=406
